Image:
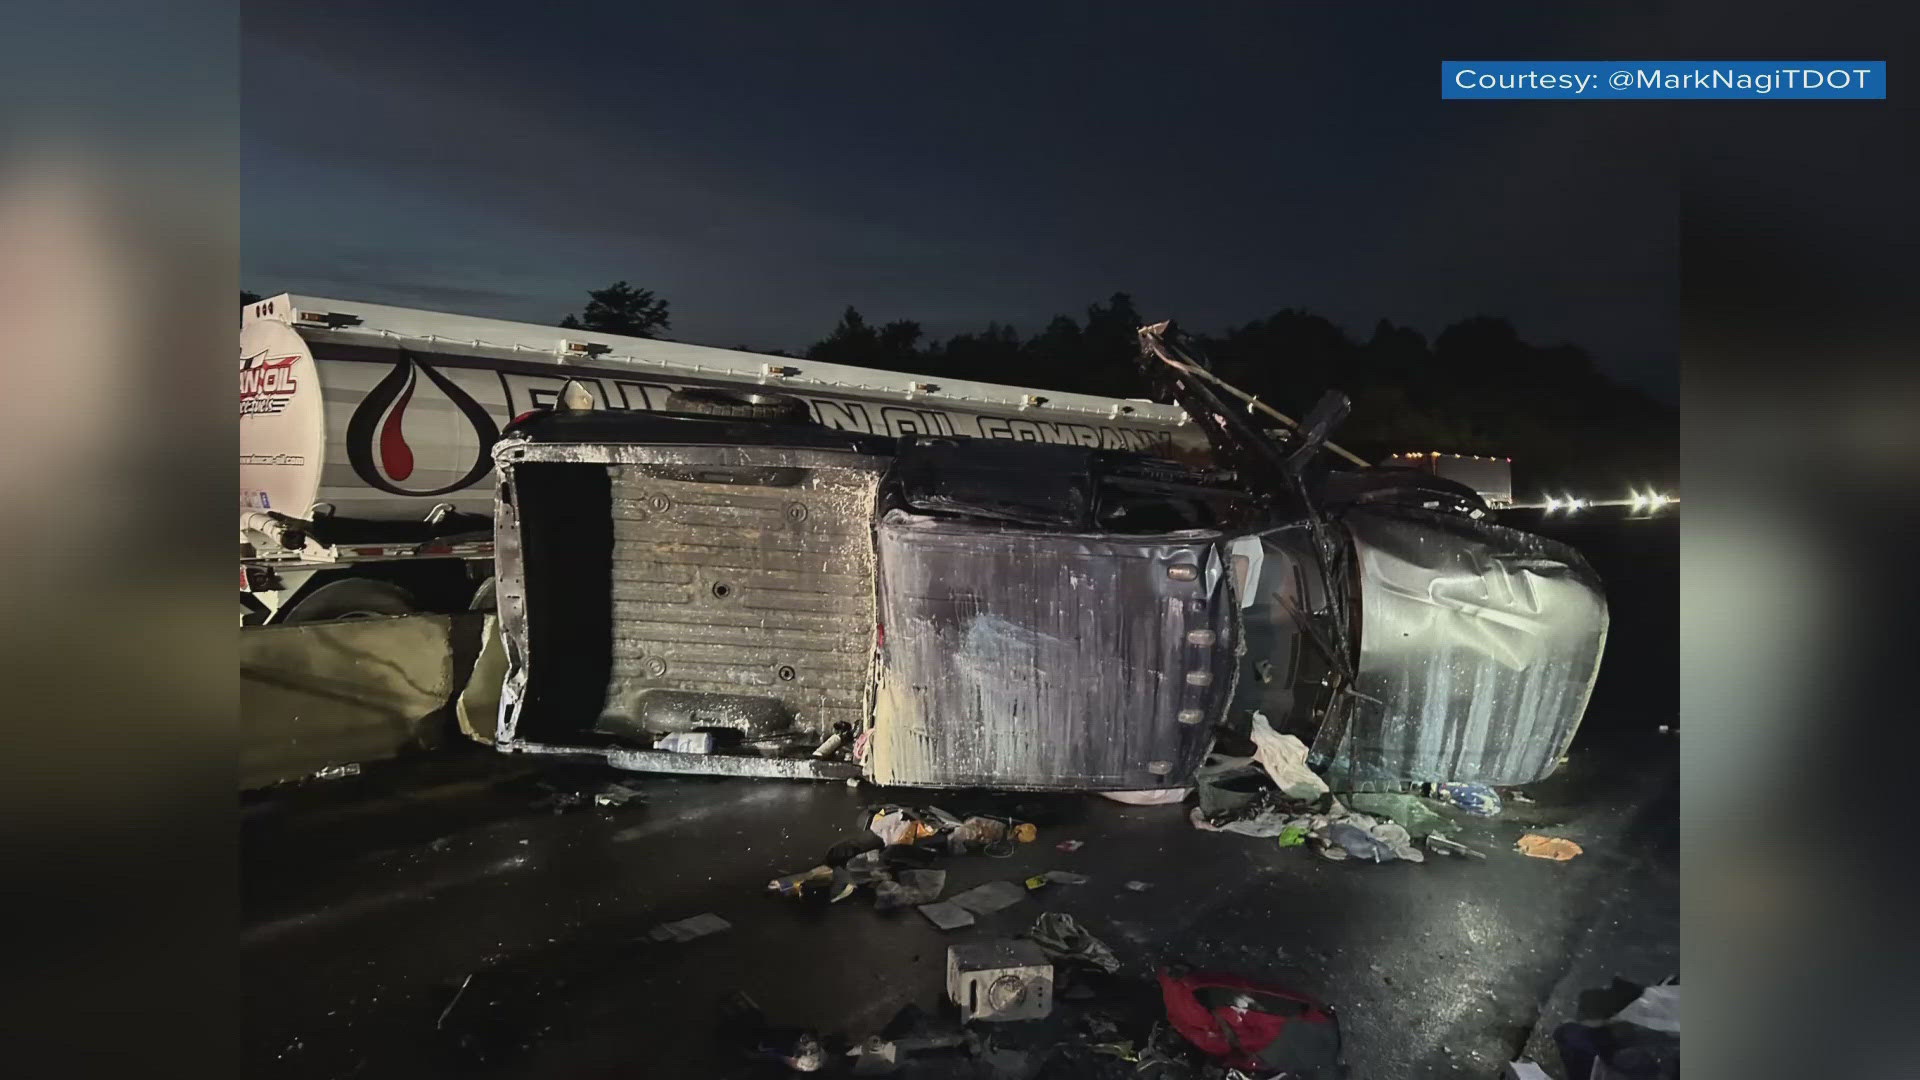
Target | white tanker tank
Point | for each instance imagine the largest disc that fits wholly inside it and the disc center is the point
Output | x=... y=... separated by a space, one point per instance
x=365 y=481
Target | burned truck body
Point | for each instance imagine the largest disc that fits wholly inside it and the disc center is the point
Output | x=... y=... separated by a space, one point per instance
x=773 y=586
x=768 y=598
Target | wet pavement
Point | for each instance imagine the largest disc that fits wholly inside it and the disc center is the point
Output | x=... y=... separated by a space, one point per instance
x=369 y=901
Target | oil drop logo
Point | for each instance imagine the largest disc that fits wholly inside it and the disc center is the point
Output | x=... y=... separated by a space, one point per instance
x=377 y=443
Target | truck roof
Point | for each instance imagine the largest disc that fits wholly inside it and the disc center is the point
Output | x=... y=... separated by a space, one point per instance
x=562 y=346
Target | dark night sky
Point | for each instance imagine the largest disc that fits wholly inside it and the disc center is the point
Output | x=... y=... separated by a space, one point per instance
x=763 y=169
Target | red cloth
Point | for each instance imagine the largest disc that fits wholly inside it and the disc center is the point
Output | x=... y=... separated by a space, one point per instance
x=1237 y=1036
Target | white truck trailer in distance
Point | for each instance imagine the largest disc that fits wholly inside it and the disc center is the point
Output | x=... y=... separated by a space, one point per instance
x=1491 y=477
x=365 y=480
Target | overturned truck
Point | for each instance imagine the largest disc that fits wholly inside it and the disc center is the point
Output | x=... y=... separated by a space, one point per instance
x=771 y=597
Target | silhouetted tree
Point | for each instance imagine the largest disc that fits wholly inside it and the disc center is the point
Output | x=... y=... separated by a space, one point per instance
x=1479 y=388
x=621 y=309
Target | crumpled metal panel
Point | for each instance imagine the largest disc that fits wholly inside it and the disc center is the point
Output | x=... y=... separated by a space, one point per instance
x=1479 y=645
x=1037 y=660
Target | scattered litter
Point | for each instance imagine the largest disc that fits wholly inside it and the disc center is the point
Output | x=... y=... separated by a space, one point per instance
x=1150 y=797
x=947 y=915
x=909 y=888
x=1226 y=784
x=832 y=744
x=991 y=897
x=1519 y=796
x=1446 y=845
x=838 y=854
x=688 y=929
x=1069 y=846
x=1523 y=1069
x=986 y=830
x=1285 y=759
x=1000 y=980
x=1139 y=886
x=1557 y=848
x=1063 y=938
x=1473 y=798
x=894 y=825
x=1639 y=1038
x=814 y=880
x=1409 y=811
x=1293 y=836
x=875 y=1057
x=457 y=995
x=1354 y=841
x=798 y=1049
x=686 y=742
x=335 y=772
x=1658 y=1009
x=616 y=795
x=1056 y=877
x=1248 y=1025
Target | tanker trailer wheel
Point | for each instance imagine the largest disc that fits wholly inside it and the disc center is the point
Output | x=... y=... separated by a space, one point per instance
x=738 y=405
x=352 y=598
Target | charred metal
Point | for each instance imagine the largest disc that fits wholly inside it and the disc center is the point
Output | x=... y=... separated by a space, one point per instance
x=952 y=612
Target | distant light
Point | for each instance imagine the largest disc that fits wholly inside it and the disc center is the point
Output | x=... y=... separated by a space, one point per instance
x=1658 y=500
x=1552 y=503
x=1639 y=500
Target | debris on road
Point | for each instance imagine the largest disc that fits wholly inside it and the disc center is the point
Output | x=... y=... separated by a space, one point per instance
x=1473 y=798
x=1523 y=1069
x=895 y=825
x=991 y=897
x=744 y=1024
x=1641 y=1039
x=1250 y=1025
x=1285 y=759
x=617 y=795
x=1408 y=811
x=1063 y=938
x=688 y=929
x=1557 y=848
x=1055 y=877
x=1380 y=841
x=909 y=888
x=686 y=742
x=1068 y=847
x=1150 y=797
x=1446 y=845
x=1139 y=886
x=335 y=772
x=817 y=878
x=947 y=915
x=1008 y=979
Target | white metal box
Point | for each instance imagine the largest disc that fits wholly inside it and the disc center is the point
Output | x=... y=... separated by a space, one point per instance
x=1000 y=980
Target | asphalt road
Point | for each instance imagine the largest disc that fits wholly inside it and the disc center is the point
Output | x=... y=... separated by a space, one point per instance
x=369 y=901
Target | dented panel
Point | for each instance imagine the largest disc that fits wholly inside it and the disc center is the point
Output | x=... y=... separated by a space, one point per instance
x=1027 y=659
x=1479 y=646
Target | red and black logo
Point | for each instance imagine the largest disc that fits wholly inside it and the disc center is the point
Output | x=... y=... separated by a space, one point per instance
x=267 y=383
x=376 y=440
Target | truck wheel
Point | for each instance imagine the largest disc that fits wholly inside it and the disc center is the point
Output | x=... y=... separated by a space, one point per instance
x=351 y=598
x=738 y=405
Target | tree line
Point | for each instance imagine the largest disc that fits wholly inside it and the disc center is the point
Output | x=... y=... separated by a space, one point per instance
x=1475 y=388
